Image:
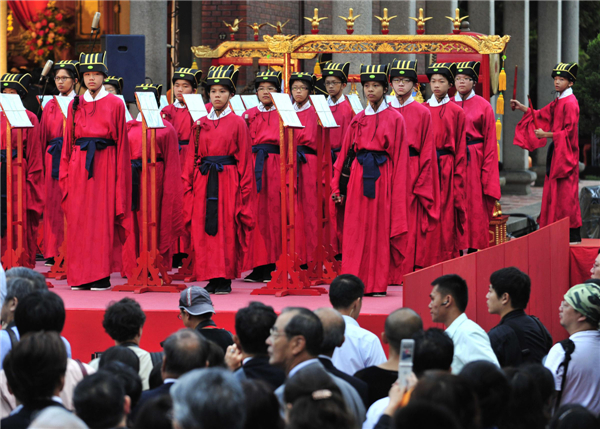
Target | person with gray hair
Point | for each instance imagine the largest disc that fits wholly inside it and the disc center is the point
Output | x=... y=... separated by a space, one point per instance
x=333 y=337
x=210 y=398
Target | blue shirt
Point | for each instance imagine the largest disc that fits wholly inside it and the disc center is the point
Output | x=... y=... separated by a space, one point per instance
x=6 y=346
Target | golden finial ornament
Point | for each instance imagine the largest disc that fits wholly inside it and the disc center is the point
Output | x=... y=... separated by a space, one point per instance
x=255 y=27
x=350 y=21
x=385 y=21
x=420 y=21
x=233 y=28
x=457 y=20
x=497 y=212
x=315 y=21
x=279 y=26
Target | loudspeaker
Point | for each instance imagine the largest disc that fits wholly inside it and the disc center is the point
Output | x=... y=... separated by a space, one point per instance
x=126 y=58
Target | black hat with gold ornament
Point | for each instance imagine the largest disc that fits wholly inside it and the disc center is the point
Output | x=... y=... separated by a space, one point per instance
x=148 y=87
x=93 y=63
x=71 y=66
x=374 y=73
x=269 y=76
x=222 y=75
x=307 y=78
x=469 y=68
x=339 y=70
x=445 y=69
x=320 y=87
x=404 y=68
x=115 y=81
x=566 y=70
x=19 y=82
x=191 y=75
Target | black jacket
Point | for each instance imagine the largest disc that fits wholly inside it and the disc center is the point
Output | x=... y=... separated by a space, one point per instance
x=361 y=387
x=27 y=414
x=258 y=368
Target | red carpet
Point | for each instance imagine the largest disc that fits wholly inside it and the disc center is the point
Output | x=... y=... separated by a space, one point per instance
x=85 y=310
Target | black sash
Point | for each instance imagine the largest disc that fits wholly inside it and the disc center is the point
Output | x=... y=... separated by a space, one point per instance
x=55 y=149
x=334 y=155
x=440 y=153
x=302 y=151
x=371 y=160
x=471 y=143
x=136 y=176
x=262 y=152
x=213 y=165
x=91 y=145
x=183 y=143
x=549 y=156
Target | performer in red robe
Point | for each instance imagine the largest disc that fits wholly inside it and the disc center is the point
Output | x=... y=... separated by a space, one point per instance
x=95 y=179
x=219 y=188
x=263 y=122
x=169 y=192
x=483 y=177
x=301 y=86
x=561 y=117
x=375 y=228
x=423 y=194
x=33 y=166
x=449 y=136
x=185 y=81
x=336 y=79
x=66 y=76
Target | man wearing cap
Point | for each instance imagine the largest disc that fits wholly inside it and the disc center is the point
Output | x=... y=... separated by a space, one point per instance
x=561 y=118
x=196 y=311
x=32 y=167
x=449 y=137
x=66 y=76
x=95 y=179
x=579 y=314
x=169 y=191
x=423 y=195
x=483 y=178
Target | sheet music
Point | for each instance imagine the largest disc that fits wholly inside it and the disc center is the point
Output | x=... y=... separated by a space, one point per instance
x=237 y=105
x=44 y=99
x=195 y=105
x=320 y=104
x=149 y=108
x=286 y=110
x=250 y=101
x=15 y=111
x=127 y=114
x=355 y=103
x=164 y=102
x=63 y=103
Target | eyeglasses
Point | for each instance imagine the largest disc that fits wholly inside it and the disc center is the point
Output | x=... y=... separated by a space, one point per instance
x=61 y=79
x=269 y=89
x=333 y=83
x=464 y=79
x=274 y=333
x=299 y=88
x=402 y=81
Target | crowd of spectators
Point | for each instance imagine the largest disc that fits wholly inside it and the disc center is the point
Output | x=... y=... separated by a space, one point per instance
x=303 y=369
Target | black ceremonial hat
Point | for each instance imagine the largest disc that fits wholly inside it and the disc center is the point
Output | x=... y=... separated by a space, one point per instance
x=404 y=68
x=320 y=86
x=71 y=65
x=446 y=69
x=340 y=70
x=273 y=77
x=93 y=63
x=374 y=73
x=18 y=82
x=191 y=75
x=568 y=70
x=469 y=68
x=309 y=78
x=115 y=81
x=222 y=75
x=148 y=87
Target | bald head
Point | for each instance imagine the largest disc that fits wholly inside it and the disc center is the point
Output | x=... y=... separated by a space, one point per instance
x=334 y=327
x=400 y=325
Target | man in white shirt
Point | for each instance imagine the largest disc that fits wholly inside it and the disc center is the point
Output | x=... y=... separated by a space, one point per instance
x=449 y=299
x=361 y=348
x=579 y=314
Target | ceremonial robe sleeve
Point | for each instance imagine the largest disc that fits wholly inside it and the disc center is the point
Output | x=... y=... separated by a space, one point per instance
x=123 y=180
x=565 y=159
x=427 y=193
x=399 y=210
x=171 y=209
x=35 y=171
x=187 y=174
x=245 y=216
x=460 y=173
x=337 y=167
x=490 y=176
x=65 y=158
x=525 y=130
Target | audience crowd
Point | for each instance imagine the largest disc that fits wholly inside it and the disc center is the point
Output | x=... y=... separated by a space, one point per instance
x=303 y=369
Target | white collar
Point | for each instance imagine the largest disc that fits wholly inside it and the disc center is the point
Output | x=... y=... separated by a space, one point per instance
x=247 y=359
x=101 y=94
x=58 y=399
x=301 y=365
x=303 y=108
x=434 y=103
x=566 y=93
x=339 y=101
x=396 y=102
x=458 y=99
x=179 y=105
x=213 y=116
x=139 y=117
x=69 y=95
x=456 y=323
x=325 y=357
x=369 y=110
x=261 y=108
x=169 y=380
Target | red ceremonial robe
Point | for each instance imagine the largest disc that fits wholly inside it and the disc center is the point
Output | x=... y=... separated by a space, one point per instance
x=423 y=196
x=264 y=129
x=51 y=127
x=375 y=229
x=223 y=254
x=96 y=208
x=343 y=114
x=483 y=177
x=448 y=128
x=306 y=186
x=561 y=187
x=33 y=186
x=169 y=195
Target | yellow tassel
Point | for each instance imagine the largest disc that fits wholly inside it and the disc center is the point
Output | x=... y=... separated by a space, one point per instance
x=317 y=68
x=393 y=93
x=500 y=105
x=498 y=129
x=502 y=80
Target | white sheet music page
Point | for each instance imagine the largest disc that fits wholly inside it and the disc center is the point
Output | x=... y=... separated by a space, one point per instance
x=63 y=103
x=195 y=105
x=15 y=111
x=127 y=114
x=149 y=108
x=250 y=101
x=355 y=103
x=286 y=110
x=319 y=102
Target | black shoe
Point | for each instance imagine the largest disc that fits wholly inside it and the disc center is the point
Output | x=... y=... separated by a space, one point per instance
x=49 y=262
x=338 y=257
x=268 y=270
x=103 y=284
x=224 y=287
x=304 y=267
x=212 y=285
x=376 y=294
x=178 y=259
x=257 y=275
x=85 y=286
